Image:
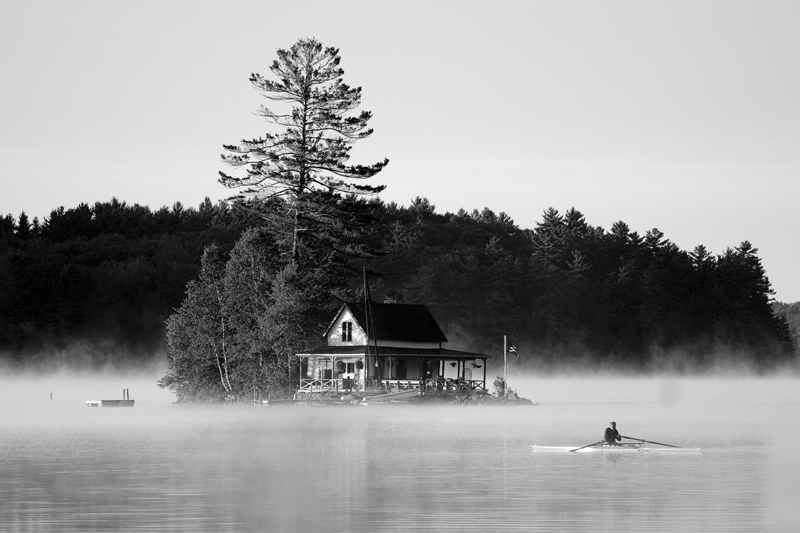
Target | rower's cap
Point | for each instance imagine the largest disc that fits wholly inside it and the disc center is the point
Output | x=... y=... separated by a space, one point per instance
x=613 y=423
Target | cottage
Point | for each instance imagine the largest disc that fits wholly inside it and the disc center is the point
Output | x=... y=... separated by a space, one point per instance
x=388 y=347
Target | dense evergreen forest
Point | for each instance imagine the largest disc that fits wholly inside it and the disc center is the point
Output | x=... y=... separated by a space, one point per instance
x=94 y=284
x=106 y=277
x=570 y=292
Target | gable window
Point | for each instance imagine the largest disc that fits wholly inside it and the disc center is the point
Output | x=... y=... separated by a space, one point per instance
x=347 y=331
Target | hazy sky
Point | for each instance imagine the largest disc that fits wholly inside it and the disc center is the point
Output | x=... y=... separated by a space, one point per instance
x=681 y=116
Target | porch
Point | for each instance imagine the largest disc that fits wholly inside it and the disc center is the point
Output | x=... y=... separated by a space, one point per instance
x=435 y=385
x=336 y=371
x=327 y=387
x=319 y=388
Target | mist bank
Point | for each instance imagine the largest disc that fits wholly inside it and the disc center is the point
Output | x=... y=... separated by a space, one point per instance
x=64 y=385
x=107 y=360
x=74 y=387
x=93 y=286
x=84 y=358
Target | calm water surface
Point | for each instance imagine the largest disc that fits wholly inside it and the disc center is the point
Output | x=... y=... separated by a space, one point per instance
x=158 y=467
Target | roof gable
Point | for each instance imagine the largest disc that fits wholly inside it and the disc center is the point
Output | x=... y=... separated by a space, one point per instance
x=396 y=322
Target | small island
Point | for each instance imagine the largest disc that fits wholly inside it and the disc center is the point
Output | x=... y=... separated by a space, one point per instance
x=236 y=296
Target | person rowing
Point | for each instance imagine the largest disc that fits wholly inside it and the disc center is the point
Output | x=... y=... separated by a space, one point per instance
x=612 y=436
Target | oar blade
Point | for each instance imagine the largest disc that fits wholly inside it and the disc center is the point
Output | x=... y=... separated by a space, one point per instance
x=587 y=446
x=650 y=442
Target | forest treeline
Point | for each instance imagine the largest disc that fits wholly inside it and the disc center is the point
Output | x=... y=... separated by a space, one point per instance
x=104 y=277
x=566 y=292
x=570 y=292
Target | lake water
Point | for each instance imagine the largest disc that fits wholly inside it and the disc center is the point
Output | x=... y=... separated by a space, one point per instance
x=159 y=467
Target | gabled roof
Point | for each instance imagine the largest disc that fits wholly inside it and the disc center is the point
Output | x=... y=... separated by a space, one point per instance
x=397 y=322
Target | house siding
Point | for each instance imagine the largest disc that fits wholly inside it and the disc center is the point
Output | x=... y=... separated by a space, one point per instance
x=334 y=338
x=359 y=336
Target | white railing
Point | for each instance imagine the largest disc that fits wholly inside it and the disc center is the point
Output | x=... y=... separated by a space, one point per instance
x=401 y=384
x=329 y=385
x=345 y=385
x=435 y=385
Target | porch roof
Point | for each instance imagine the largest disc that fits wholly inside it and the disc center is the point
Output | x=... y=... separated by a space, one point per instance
x=388 y=351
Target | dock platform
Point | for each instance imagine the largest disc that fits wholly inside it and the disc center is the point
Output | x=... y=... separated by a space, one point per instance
x=109 y=403
x=124 y=402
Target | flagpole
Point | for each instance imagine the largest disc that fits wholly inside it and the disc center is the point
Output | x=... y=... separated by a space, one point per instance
x=505 y=365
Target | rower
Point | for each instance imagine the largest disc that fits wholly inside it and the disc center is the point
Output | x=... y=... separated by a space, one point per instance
x=611 y=435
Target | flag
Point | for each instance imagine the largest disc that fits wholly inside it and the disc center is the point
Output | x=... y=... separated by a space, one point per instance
x=513 y=349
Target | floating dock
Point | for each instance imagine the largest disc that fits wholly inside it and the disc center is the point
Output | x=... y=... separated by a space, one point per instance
x=110 y=403
x=125 y=402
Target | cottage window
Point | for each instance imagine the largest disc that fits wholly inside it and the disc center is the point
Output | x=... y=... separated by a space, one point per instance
x=347 y=331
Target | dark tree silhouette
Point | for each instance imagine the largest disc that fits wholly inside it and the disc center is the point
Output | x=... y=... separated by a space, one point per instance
x=304 y=166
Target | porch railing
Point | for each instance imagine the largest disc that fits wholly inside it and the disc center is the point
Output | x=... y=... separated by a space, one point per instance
x=329 y=385
x=436 y=385
x=401 y=384
x=345 y=385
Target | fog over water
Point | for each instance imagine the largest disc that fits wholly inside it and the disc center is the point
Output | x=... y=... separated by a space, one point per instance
x=161 y=467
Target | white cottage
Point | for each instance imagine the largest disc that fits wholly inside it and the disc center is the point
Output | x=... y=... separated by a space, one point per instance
x=388 y=347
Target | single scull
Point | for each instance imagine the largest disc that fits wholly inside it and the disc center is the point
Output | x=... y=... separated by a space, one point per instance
x=625 y=447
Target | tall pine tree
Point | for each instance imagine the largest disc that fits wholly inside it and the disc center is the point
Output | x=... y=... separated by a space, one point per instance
x=301 y=172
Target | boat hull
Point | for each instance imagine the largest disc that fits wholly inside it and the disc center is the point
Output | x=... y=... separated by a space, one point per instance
x=624 y=448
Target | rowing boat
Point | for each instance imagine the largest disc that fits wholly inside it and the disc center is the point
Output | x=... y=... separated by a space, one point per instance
x=620 y=448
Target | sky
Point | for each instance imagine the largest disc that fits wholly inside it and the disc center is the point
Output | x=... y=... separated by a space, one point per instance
x=678 y=115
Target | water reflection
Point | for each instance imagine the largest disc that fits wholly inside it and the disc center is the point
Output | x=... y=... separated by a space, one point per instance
x=69 y=468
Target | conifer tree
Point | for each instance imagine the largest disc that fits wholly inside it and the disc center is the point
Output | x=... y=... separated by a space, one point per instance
x=301 y=172
x=23 y=226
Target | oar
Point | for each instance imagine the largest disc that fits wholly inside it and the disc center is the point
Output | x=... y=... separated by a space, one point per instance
x=593 y=444
x=650 y=442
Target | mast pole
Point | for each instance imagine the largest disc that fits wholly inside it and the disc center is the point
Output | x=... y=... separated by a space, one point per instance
x=371 y=322
x=505 y=365
x=366 y=326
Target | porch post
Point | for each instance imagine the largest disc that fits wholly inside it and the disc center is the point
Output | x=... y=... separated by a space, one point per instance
x=300 y=372
x=366 y=365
